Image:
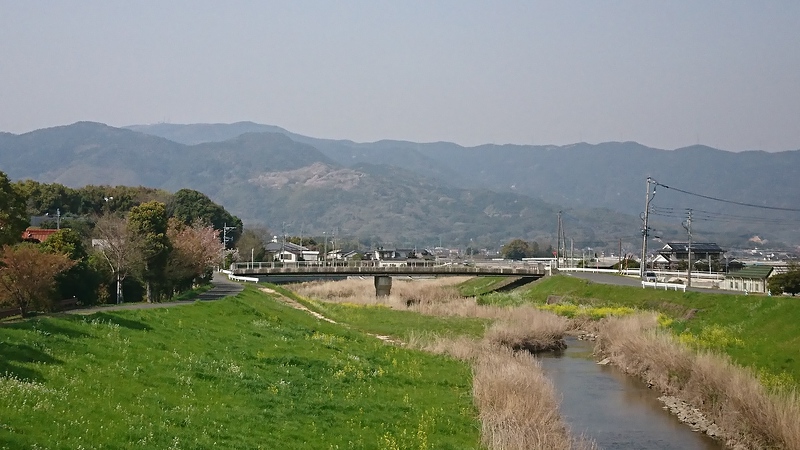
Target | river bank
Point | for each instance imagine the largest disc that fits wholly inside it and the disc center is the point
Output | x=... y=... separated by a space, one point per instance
x=616 y=410
x=733 y=405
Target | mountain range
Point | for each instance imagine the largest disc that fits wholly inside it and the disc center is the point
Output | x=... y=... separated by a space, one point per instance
x=406 y=193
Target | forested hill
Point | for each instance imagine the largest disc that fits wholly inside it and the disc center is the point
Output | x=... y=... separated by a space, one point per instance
x=608 y=175
x=408 y=193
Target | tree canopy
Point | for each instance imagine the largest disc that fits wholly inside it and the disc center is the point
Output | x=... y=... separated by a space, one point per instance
x=788 y=282
x=13 y=215
x=518 y=249
x=27 y=276
x=148 y=224
x=189 y=206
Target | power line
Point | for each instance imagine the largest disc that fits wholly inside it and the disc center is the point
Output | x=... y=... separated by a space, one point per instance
x=710 y=216
x=751 y=205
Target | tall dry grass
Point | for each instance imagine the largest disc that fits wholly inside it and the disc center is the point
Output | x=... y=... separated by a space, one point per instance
x=517 y=403
x=527 y=328
x=726 y=393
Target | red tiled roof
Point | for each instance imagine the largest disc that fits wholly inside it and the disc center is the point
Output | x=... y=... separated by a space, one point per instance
x=37 y=234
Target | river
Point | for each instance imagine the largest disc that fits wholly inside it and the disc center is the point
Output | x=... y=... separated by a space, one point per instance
x=613 y=409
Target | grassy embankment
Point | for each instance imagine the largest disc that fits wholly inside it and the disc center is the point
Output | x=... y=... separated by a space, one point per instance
x=731 y=356
x=244 y=372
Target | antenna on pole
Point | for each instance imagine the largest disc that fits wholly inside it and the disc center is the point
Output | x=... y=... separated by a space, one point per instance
x=645 y=228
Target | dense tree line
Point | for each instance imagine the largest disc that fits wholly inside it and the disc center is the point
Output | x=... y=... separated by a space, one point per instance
x=519 y=248
x=148 y=243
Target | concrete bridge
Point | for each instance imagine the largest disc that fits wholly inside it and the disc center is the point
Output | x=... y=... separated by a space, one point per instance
x=383 y=272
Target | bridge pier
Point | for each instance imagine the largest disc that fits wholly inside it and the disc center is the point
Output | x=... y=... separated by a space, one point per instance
x=383 y=285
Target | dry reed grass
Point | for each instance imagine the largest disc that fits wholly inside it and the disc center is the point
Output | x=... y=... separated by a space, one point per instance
x=728 y=394
x=527 y=328
x=517 y=404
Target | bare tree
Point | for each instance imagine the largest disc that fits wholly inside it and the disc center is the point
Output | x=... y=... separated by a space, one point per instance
x=118 y=245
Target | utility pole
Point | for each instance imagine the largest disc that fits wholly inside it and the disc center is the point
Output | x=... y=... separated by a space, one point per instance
x=645 y=228
x=688 y=227
x=225 y=240
x=283 y=246
x=225 y=237
x=558 y=239
x=571 y=252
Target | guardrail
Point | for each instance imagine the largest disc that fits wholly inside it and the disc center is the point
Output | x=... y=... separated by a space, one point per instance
x=666 y=286
x=626 y=272
x=243 y=279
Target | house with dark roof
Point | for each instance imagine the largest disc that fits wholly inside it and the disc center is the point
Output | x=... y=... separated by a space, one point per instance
x=749 y=279
x=398 y=257
x=289 y=252
x=673 y=253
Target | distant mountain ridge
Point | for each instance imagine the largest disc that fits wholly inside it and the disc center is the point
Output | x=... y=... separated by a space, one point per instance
x=406 y=192
x=568 y=175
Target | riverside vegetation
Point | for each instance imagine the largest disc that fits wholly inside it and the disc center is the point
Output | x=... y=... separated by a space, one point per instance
x=244 y=372
x=249 y=372
x=733 y=357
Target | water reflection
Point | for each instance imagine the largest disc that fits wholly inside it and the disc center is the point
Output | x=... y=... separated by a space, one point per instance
x=616 y=411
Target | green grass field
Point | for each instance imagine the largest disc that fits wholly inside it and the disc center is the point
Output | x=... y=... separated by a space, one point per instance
x=756 y=331
x=244 y=372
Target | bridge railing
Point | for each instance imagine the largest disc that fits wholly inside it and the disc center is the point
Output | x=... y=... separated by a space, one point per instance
x=330 y=263
x=379 y=267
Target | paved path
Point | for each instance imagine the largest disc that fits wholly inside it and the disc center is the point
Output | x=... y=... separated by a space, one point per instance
x=223 y=287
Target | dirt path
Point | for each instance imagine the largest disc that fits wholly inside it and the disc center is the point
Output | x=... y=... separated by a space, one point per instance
x=297 y=305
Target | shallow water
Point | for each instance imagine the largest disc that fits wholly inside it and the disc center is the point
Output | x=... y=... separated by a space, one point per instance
x=613 y=409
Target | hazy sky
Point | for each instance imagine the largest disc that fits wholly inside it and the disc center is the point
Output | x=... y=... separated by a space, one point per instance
x=663 y=73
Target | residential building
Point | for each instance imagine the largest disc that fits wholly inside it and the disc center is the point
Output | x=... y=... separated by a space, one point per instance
x=674 y=253
x=749 y=279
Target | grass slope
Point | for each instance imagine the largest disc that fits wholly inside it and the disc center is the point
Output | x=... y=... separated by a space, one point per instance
x=379 y=319
x=245 y=372
x=756 y=331
x=482 y=285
